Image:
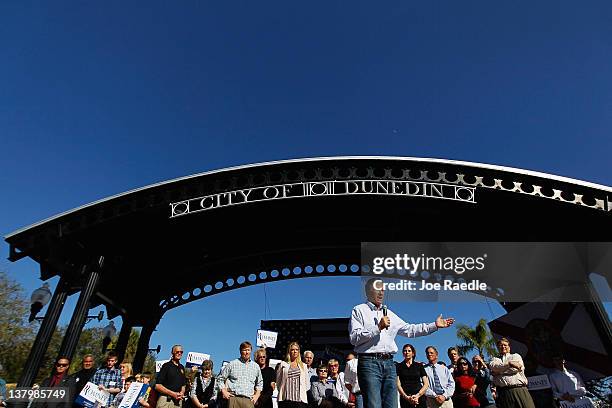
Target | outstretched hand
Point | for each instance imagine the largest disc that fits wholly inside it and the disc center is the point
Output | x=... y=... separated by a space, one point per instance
x=441 y=322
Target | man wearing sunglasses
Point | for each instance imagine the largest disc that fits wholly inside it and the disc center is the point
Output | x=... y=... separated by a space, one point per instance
x=58 y=378
x=171 y=381
x=109 y=378
x=60 y=371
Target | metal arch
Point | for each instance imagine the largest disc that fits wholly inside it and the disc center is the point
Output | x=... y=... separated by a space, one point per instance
x=508 y=176
x=334 y=174
x=249 y=279
x=352 y=269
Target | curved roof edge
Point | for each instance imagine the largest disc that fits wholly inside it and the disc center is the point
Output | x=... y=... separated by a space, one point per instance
x=531 y=173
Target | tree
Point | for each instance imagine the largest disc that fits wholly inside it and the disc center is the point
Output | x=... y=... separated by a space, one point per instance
x=16 y=335
x=478 y=338
x=90 y=342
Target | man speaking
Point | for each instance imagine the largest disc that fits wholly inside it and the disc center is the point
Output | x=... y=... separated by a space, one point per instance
x=372 y=331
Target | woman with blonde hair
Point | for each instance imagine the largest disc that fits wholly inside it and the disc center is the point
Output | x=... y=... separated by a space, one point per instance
x=292 y=379
x=126 y=370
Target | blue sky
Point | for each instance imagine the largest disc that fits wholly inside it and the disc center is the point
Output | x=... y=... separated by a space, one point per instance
x=99 y=98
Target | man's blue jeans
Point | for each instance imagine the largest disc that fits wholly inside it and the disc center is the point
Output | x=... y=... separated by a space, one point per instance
x=377 y=381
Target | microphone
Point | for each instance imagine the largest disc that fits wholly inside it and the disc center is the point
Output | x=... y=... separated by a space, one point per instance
x=384 y=308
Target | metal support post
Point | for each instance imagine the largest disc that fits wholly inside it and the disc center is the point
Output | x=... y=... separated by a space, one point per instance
x=77 y=322
x=124 y=337
x=143 y=345
x=43 y=337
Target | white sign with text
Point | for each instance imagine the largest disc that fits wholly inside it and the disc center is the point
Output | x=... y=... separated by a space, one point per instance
x=266 y=338
x=130 y=399
x=196 y=359
x=91 y=395
x=538 y=382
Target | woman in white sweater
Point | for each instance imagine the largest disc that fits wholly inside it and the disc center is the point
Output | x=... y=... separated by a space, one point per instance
x=292 y=379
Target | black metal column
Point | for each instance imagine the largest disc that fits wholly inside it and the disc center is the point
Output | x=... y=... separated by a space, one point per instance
x=43 y=337
x=143 y=345
x=79 y=316
x=124 y=337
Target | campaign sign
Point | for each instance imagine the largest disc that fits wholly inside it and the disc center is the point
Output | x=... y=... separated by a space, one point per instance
x=133 y=394
x=266 y=338
x=538 y=382
x=579 y=403
x=92 y=395
x=158 y=364
x=196 y=359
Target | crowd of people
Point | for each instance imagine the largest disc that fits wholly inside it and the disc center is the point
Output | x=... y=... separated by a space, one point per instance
x=370 y=377
x=298 y=382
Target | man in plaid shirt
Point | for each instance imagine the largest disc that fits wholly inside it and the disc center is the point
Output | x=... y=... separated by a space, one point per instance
x=244 y=380
x=109 y=378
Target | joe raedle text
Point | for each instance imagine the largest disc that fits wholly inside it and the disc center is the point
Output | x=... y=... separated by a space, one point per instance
x=422 y=285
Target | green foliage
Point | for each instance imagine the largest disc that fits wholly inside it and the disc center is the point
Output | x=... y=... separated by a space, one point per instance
x=16 y=335
x=478 y=339
x=90 y=342
x=130 y=351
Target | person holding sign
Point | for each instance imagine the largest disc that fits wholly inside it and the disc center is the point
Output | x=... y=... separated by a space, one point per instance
x=372 y=330
x=109 y=378
x=119 y=398
x=171 y=380
x=82 y=377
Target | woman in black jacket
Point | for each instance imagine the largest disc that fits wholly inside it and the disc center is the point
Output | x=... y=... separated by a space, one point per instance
x=204 y=387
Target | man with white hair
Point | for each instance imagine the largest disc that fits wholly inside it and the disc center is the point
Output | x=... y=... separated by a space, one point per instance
x=373 y=329
x=171 y=380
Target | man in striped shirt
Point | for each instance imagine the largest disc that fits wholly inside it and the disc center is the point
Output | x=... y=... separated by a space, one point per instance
x=241 y=381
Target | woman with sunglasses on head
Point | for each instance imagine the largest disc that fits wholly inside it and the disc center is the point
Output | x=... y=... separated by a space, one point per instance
x=465 y=385
x=411 y=380
x=292 y=379
x=483 y=392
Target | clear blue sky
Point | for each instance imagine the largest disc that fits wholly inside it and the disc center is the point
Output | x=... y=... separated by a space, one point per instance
x=97 y=98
